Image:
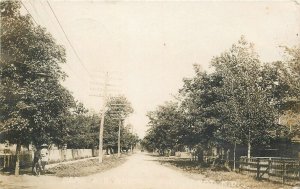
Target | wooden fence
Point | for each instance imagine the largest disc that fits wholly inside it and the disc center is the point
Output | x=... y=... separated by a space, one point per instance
x=7 y=161
x=271 y=167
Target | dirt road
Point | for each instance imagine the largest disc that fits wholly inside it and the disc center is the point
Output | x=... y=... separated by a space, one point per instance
x=140 y=171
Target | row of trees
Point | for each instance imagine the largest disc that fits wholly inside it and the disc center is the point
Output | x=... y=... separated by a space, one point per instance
x=34 y=104
x=240 y=102
x=35 y=107
x=83 y=127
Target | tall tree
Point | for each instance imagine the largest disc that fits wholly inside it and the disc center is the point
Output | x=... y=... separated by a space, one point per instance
x=239 y=102
x=165 y=123
x=290 y=102
x=250 y=108
x=33 y=102
x=128 y=139
x=293 y=61
x=201 y=109
x=118 y=109
x=83 y=128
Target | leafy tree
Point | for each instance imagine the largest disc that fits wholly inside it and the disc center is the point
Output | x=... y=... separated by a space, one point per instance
x=240 y=102
x=128 y=139
x=83 y=129
x=250 y=106
x=293 y=62
x=201 y=109
x=290 y=101
x=149 y=141
x=118 y=109
x=164 y=126
x=33 y=102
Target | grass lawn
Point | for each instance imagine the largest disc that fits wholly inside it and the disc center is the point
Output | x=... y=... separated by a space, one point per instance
x=239 y=180
x=84 y=168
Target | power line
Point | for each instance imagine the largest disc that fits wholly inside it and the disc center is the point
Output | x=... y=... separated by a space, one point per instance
x=46 y=11
x=54 y=28
x=29 y=13
x=75 y=52
x=65 y=35
x=35 y=10
x=38 y=24
x=26 y=8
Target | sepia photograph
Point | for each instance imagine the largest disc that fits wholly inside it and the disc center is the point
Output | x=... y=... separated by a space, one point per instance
x=149 y=94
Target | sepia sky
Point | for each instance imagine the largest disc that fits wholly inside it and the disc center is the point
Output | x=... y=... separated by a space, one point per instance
x=149 y=47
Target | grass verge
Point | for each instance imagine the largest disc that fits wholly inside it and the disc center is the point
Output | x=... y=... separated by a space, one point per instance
x=85 y=168
x=238 y=180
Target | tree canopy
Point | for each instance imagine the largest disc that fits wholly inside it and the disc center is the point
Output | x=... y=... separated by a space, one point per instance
x=164 y=128
x=33 y=101
x=118 y=109
x=239 y=102
x=83 y=126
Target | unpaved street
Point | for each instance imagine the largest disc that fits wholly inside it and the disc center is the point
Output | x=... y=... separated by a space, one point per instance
x=140 y=171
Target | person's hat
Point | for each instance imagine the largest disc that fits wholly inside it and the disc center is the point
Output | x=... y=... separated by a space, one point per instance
x=44 y=145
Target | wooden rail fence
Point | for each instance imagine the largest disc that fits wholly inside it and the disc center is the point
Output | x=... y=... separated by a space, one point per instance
x=267 y=167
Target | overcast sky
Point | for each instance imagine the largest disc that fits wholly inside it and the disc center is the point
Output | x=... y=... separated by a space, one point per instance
x=149 y=47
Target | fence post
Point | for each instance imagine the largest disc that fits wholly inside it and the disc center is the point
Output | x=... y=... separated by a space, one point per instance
x=283 y=171
x=269 y=167
x=247 y=165
x=4 y=161
x=258 y=169
x=240 y=166
x=298 y=170
x=8 y=161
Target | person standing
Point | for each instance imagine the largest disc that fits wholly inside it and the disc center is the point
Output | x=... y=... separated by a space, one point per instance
x=44 y=155
x=36 y=158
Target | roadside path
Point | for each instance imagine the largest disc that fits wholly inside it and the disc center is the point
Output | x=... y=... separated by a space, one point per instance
x=140 y=171
x=69 y=162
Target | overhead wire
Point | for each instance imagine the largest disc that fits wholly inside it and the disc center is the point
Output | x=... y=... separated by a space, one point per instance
x=51 y=20
x=37 y=14
x=69 y=41
x=28 y=12
x=60 y=25
x=62 y=29
x=71 y=45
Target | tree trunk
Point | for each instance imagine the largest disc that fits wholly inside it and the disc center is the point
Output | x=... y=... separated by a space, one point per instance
x=227 y=157
x=162 y=152
x=200 y=156
x=18 y=151
x=249 y=145
x=249 y=150
x=234 y=155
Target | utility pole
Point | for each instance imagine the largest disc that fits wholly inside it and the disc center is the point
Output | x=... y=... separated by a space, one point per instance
x=105 y=93
x=131 y=143
x=101 y=137
x=102 y=120
x=119 y=108
x=119 y=138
